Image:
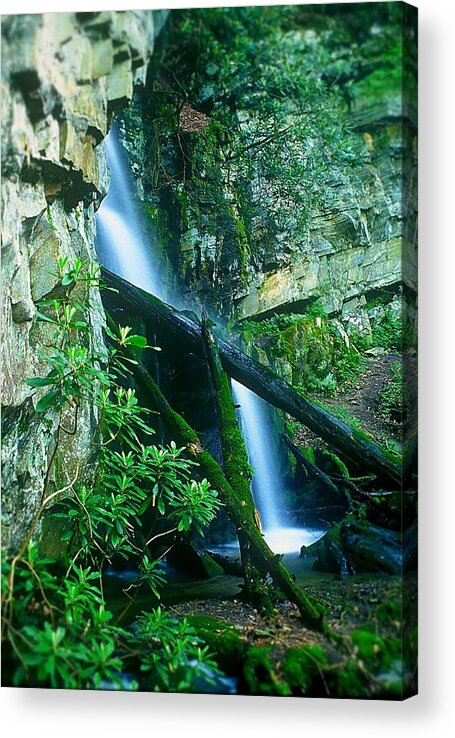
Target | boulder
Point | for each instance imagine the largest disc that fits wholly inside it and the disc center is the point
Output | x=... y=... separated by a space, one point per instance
x=369 y=548
x=184 y=557
x=357 y=548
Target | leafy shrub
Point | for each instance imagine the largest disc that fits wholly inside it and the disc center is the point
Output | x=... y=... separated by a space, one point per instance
x=172 y=654
x=388 y=331
x=56 y=630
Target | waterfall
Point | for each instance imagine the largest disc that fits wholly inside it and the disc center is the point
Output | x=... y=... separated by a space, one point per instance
x=258 y=432
x=126 y=246
x=269 y=493
x=121 y=241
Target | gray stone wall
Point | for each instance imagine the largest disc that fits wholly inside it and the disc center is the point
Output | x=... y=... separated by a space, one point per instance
x=360 y=237
x=63 y=76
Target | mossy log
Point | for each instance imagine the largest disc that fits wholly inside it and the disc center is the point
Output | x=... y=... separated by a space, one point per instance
x=242 y=516
x=168 y=322
x=313 y=470
x=236 y=464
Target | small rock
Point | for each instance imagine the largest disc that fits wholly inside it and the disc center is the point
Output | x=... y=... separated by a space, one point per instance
x=376 y=351
x=23 y=311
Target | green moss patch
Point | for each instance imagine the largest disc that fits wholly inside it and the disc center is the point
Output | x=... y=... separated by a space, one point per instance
x=303 y=668
x=222 y=639
x=260 y=676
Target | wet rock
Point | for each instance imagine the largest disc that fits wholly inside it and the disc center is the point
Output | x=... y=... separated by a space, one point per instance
x=369 y=548
x=184 y=557
x=410 y=548
x=228 y=564
x=328 y=550
x=23 y=311
x=357 y=547
x=60 y=73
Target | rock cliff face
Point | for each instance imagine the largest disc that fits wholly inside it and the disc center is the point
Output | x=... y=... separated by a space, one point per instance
x=63 y=76
x=220 y=240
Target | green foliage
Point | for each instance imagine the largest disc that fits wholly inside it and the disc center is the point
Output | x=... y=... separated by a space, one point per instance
x=388 y=331
x=322 y=360
x=56 y=630
x=54 y=658
x=172 y=655
x=259 y=674
x=392 y=397
x=59 y=631
x=302 y=667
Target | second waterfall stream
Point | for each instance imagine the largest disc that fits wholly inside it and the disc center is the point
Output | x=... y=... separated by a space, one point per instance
x=123 y=248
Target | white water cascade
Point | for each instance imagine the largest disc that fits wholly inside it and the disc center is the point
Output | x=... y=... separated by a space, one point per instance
x=124 y=249
x=267 y=484
x=120 y=240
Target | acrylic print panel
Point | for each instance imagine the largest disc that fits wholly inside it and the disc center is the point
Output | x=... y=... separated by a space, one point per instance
x=209 y=351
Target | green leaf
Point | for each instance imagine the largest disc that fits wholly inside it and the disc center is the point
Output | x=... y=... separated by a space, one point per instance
x=39 y=381
x=47 y=400
x=139 y=341
x=144 y=506
x=46 y=318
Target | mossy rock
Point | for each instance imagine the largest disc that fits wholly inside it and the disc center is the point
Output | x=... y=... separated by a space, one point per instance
x=372 y=670
x=212 y=568
x=328 y=550
x=222 y=639
x=51 y=541
x=302 y=669
x=370 y=648
x=184 y=557
x=357 y=548
x=228 y=564
x=370 y=548
x=259 y=675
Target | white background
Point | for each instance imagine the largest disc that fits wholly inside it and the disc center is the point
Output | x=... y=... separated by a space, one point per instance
x=86 y=714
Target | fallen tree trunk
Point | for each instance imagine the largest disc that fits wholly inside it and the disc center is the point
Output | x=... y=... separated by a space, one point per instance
x=312 y=469
x=236 y=466
x=339 y=487
x=347 y=442
x=267 y=561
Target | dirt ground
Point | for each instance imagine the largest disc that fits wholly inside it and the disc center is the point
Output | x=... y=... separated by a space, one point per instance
x=362 y=402
x=350 y=603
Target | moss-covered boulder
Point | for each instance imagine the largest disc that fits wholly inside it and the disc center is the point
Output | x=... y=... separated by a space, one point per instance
x=374 y=667
x=357 y=548
x=328 y=551
x=370 y=548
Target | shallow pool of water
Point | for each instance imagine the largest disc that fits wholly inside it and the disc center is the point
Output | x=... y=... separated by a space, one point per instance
x=280 y=540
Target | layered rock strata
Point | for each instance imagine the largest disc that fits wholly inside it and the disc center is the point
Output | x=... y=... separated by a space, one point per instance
x=63 y=76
